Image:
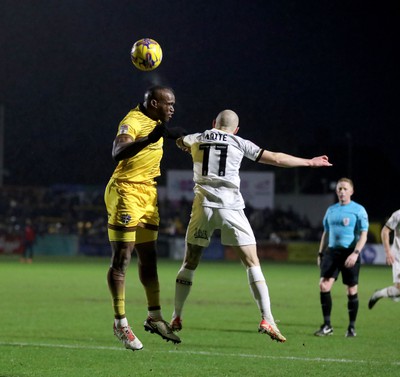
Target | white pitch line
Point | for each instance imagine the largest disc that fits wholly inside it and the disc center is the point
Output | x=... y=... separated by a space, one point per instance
x=204 y=353
x=318 y=359
x=70 y=346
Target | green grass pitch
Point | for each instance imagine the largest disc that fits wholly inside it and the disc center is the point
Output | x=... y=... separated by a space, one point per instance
x=56 y=320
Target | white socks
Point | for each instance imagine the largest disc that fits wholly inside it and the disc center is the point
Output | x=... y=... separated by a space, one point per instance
x=391 y=292
x=260 y=292
x=256 y=281
x=182 y=289
x=123 y=322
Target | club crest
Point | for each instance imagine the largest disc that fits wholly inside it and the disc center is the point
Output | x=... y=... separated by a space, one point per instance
x=125 y=218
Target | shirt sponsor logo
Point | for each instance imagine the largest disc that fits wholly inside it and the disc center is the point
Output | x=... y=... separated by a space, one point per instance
x=201 y=234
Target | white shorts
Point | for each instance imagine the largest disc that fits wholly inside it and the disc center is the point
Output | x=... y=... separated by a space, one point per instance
x=396 y=268
x=234 y=225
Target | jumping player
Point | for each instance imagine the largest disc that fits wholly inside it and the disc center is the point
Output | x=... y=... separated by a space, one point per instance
x=218 y=204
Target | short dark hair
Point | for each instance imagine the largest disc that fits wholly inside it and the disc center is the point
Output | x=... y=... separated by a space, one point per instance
x=151 y=93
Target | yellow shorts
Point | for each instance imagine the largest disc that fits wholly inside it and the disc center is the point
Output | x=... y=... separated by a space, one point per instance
x=132 y=211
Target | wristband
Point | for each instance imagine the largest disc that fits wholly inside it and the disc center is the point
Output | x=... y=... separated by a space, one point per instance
x=356 y=251
x=319 y=254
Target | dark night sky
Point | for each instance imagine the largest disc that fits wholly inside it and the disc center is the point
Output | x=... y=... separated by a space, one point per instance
x=305 y=77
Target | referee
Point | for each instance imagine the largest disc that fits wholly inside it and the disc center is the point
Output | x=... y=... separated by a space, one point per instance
x=344 y=236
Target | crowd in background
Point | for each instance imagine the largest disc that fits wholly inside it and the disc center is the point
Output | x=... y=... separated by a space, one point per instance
x=276 y=225
x=81 y=210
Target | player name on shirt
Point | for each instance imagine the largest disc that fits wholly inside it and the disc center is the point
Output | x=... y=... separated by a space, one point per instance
x=216 y=136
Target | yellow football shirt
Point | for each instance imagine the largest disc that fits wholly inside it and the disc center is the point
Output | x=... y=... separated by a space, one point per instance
x=144 y=166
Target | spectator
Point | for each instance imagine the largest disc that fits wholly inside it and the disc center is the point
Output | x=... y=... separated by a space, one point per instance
x=29 y=240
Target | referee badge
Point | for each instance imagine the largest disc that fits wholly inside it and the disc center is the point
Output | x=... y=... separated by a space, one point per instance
x=346 y=221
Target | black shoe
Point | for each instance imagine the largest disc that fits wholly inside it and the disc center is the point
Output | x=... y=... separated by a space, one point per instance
x=373 y=300
x=161 y=328
x=351 y=332
x=324 y=330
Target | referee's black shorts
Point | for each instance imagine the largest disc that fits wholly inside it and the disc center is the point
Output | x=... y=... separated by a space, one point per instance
x=333 y=262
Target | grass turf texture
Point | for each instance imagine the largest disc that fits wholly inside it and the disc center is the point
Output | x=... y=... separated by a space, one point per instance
x=56 y=320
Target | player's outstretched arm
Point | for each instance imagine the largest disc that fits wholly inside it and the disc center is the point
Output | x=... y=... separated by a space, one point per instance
x=320 y=161
x=385 y=237
x=175 y=133
x=180 y=144
x=125 y=147
x=285 y=160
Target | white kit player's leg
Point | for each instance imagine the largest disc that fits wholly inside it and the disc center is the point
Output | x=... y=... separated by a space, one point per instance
x=260 y=292
x=182 y=289
x=259 y=288
x=392 y=292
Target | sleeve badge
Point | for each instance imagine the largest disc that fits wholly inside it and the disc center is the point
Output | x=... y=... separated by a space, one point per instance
x=123 y=129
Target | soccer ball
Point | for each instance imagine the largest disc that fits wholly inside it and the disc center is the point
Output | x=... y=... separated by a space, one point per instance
x=146 y=54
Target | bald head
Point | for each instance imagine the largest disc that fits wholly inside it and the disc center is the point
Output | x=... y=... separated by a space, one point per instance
x=227 y=120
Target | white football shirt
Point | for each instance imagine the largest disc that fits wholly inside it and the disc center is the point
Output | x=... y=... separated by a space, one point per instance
x=217 y=156
x=394 y=224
